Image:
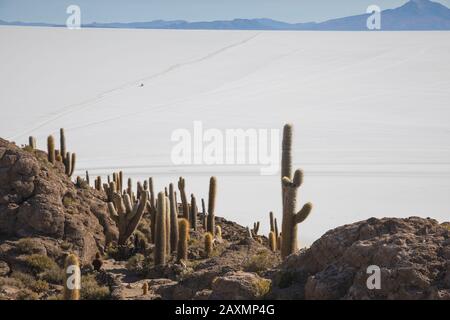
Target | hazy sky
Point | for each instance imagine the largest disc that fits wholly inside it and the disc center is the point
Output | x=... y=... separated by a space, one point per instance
x=54 y=11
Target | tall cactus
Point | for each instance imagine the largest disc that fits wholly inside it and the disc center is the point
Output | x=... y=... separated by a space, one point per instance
x=289 y=192
x=88 y=179
x=181 y=187
x=68 y=159
x=160 y=231
x=218 y=232
x=173 y=219
x=272 y=226
x=211 y=205
x=256 y=228
x=98 y=183
x=51 y=149
x=32 y=142
x=204 y=215
x=62 y=141
x=152 y=210
x=72 y=278
x=121 y=181
x=194 y=212
x=208 y=244
x=182 y=249
x=272 y=241
x=125 y=215
x=168 y=226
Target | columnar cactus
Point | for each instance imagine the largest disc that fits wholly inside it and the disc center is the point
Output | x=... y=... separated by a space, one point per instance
x=173 y=219
x=168 y=226
x=121 y=181
x=256 y=228
x=212 y=204
x=69 y=163
x=152 y=210
x=130 y=187
x=218 y=232
x=72 y=278
x=275 y=226
x=194 y=212
x=272 y=241
x=145 y=289
x=62 y=141
x=290 y=185
x=249 y=233
x=125 y=215
x=110 y=188
x=98 y=183
x=272 y=226
x=32 y=142
x=160 y=230
x=182 y=249
x=279 y=239
x=208 y=244
x=204 y=215
x=58 y=156
x=51 y=149
x=181 y=187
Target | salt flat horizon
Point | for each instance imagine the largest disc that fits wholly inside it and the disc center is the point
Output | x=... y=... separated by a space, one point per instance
x=370 y=112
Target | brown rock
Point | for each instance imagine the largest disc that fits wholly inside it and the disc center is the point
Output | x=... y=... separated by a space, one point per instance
x=239 y=285
x=38 y=200
x=412 y=255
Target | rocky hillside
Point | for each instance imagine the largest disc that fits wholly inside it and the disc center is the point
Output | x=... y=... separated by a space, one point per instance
x=413 y=255
x=37 y=200
x=44 y=216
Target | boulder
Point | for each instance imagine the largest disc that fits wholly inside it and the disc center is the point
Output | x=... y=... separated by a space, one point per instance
x=412 y=256
x=239 y=285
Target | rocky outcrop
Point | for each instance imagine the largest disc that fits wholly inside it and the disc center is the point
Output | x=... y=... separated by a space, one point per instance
x=413 y=256
x=239 y=285
x=37 y=200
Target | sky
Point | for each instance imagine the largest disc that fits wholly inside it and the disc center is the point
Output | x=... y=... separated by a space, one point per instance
x=54 y=11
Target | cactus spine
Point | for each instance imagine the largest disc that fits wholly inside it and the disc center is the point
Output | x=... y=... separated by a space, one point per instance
x=211 y=205
x=272 y=241
x=160 y=229
x=290 y=186
x=72 y=278
x=51 y=149
x=173 y=219
x=181 y=187
x=208 y=244
x=182 y=250
x=194 y=211
x=125 y=215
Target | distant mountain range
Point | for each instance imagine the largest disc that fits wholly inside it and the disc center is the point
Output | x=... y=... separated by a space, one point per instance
x=413 y=15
